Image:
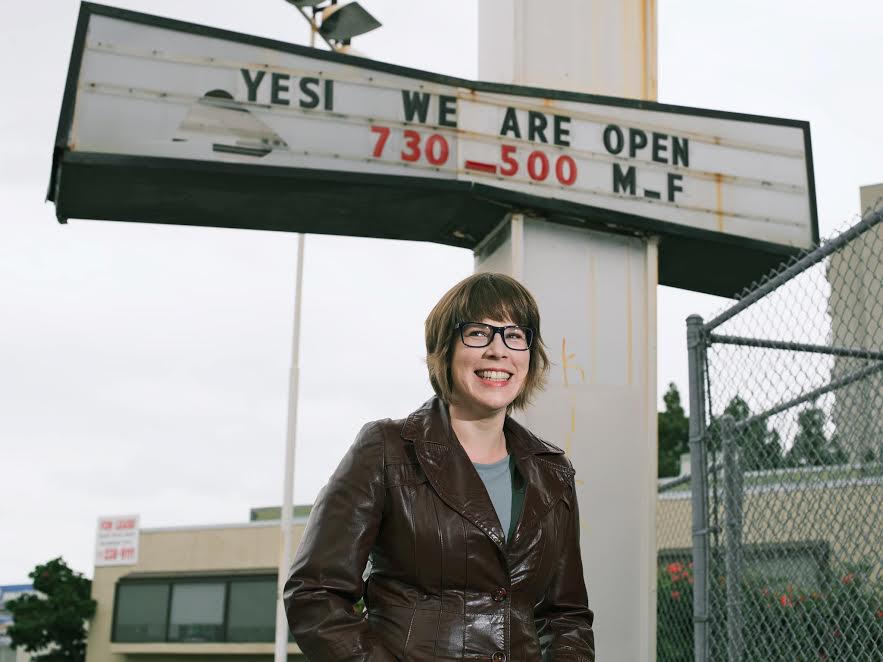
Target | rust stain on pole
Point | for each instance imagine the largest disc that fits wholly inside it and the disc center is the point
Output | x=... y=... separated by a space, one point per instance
x=644 y=49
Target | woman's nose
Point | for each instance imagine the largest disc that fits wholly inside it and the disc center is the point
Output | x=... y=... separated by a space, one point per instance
x=497 y=346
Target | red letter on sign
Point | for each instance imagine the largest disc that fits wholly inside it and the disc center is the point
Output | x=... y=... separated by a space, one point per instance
x=510 y=165
x=431 y=156
x=383 y=134
x=570 y=177
x=532 y=160
x=412 y=142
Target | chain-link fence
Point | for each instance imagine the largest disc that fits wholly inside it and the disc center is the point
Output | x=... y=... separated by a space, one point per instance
x=786 y=441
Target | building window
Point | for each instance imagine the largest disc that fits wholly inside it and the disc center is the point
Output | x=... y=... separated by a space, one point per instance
x=197 y=612
x=141 y=612
x=252 y=611
x=195 y=609
x=803 y=563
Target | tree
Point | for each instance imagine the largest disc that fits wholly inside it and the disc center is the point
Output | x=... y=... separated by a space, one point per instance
x=674 y=433
x=54 y=621
x=811 y=445
x=760 y=448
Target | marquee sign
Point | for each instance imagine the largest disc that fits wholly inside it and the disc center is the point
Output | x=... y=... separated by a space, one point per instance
x=171 y=122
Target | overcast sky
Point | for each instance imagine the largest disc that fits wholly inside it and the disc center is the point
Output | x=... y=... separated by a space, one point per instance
x=144 y=368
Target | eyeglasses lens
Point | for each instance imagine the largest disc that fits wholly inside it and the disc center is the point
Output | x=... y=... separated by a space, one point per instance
x=481 y=335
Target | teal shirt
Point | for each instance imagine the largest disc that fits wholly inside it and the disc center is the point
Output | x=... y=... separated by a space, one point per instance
x=504 y=489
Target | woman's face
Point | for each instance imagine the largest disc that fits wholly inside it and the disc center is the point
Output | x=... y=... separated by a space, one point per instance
x=487 y=379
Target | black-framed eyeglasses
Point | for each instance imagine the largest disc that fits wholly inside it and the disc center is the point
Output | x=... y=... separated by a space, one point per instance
x=477 y=334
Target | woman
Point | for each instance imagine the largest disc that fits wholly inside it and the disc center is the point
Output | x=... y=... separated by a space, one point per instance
x=469 y=520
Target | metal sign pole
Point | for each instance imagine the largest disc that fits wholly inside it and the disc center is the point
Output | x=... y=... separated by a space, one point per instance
x=281 y=649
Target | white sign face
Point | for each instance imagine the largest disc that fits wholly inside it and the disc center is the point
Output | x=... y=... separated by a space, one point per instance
x=153 y=91
x=116 y=541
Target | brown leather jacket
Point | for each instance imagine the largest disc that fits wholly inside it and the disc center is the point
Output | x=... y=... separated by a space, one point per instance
x=443 y=585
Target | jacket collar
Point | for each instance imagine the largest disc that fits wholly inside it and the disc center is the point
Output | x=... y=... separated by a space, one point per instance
x=451 y=474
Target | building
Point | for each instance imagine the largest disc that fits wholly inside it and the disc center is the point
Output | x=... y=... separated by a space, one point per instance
x=855 y=305
x=793 y=526
x=200 y=592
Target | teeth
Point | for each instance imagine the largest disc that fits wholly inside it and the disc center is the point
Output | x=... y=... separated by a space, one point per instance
x=493 y=374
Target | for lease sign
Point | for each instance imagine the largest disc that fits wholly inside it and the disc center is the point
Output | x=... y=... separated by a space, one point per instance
x=116 y=540
x=155 y=91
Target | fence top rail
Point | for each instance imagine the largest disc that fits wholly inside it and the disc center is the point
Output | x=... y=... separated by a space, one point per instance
x=868 y=221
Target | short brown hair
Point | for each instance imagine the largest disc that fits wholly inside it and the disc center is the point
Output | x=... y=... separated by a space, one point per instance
x=480 y=296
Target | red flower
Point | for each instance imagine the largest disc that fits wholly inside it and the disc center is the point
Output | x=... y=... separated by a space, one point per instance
x=837 y=634
x=674 y=568
x=676 y=595
x=879 y=613
x=848 y=579
x=786 y=601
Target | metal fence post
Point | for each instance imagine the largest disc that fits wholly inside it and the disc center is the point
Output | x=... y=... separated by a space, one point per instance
x=733 y=538
x=698 y=469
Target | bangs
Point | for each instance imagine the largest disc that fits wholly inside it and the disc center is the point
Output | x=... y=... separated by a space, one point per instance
x=492 y=298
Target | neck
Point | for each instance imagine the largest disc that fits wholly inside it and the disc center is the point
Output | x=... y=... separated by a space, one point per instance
x=480 y=436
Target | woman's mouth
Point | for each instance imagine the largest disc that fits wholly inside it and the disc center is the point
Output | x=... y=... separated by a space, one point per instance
x=493 y=377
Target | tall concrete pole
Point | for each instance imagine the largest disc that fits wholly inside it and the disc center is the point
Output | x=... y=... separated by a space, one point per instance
x=597 y=295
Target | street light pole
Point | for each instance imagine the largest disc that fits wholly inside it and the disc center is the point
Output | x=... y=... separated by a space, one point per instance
x=280 y=653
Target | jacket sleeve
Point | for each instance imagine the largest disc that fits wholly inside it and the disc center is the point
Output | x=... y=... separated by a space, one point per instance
x=563 y=618
x=325 y=581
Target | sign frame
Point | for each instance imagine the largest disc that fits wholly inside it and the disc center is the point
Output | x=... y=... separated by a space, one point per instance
x=103 y=186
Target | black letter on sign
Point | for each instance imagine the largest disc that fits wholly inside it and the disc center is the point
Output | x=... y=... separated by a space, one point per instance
x=306 y=86
x=447 y=106
x=673 y=186
x=637 y=140
x=510 y=123
x=252 y=84
x=415 y=103
x=277 y=87
x=329 y=94
x=623 y=180
x=536 y=126
x=562 y=133
x=659 y=147
x=612 y=131
x=680 y=151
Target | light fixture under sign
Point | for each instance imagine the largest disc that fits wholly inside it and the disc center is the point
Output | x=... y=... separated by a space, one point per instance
x=304 y=3
x=343 y=22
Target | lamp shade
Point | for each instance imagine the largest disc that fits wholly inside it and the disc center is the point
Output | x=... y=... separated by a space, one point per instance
x=304 y=3
x=347 y=21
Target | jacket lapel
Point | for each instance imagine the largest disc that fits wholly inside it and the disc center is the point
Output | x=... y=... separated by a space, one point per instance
x=547 y=480
x=451 y=474
x=449 y=469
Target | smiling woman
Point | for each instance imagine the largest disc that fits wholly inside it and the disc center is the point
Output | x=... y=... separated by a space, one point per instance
x=470 y=521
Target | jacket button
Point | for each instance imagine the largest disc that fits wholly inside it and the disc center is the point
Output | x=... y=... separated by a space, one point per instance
x=499 y=656
x=499 y=595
